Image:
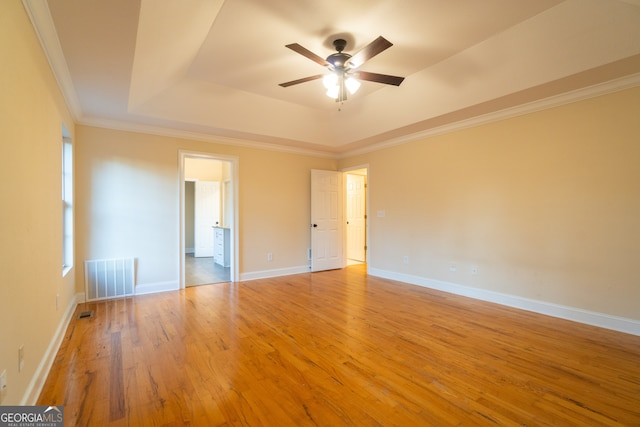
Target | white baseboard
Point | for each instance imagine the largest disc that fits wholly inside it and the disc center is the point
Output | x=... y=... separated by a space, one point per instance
x=152 y=288
x=34 y=388
x=621 y=324
x=190 y=250
x=266 y=274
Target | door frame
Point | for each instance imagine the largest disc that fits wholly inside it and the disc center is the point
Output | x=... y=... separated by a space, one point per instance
x=235 y=223
x=346 y=171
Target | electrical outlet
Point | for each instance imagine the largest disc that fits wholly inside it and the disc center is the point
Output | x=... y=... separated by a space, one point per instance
x=269 y=257
x=20 y=358
x=3 y=385
x=474 y=271
x=453 y=268
x=405 y=259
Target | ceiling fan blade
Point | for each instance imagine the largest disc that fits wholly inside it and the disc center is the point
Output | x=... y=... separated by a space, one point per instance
x=306 y=52
x=303 y=80
x=379 y=78
x=372 y=49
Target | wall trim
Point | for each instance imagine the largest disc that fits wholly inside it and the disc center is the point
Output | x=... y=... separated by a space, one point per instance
x=554 y=101
x=214 y=138
x=276 y=272
x=40 y=16
x=152 y=288
x=620 y=324
x=41 y=373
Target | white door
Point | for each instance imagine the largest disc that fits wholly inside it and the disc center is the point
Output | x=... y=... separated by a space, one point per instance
x=326 y=220
x=207 y=214
x=356 y=217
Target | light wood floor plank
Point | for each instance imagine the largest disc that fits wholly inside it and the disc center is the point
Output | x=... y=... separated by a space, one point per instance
x=337 y=348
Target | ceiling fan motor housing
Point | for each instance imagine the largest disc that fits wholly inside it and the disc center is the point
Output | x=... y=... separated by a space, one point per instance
x=338 y=60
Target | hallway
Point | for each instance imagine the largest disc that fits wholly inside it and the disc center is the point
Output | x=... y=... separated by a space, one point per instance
x=203 y=271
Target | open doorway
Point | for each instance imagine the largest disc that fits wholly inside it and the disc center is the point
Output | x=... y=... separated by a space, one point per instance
x=356 y=215
x=208 y=231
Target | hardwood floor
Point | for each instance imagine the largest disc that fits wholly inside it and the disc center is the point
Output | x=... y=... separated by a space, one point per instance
x=337 y=348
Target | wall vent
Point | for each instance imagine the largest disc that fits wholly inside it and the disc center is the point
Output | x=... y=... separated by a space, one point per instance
x=85 y=314
x=108 y=278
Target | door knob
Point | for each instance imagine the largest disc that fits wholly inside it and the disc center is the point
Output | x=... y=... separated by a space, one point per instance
x=315 y=225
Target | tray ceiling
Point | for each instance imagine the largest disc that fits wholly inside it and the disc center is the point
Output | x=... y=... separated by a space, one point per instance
x=211 y=67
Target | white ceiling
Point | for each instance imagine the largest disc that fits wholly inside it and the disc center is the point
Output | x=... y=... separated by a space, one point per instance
x=211 y=68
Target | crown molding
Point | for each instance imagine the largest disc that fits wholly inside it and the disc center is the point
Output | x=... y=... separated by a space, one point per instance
x=199 y=136
x=577 y=95
x=42 y=22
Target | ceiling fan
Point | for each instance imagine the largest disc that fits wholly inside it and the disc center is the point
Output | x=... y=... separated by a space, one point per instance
x=344 y=68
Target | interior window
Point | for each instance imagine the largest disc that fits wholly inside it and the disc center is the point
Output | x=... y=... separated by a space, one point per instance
x=67 y=204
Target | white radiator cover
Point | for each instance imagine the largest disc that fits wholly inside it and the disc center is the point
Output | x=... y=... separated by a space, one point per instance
x=109 y=278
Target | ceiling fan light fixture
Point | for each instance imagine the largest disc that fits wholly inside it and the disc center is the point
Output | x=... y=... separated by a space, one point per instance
x=352 y=85
x=330 y=80
x=333 y=82
x=333 y=92
x=340 y=82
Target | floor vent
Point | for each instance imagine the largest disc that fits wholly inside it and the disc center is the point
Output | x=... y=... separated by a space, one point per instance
x=108 y=278
x=85 y=314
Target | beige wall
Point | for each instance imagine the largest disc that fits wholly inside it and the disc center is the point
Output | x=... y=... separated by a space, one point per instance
x=546 y=205
x=32 y=113
x=128 y=202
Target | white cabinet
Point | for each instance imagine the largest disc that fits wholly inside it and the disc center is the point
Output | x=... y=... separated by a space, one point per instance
x=221 y=246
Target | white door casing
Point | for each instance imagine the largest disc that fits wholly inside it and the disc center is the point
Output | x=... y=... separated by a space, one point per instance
x=326 y=220
x=227 y=212
x=356 y=217
x=207 y=214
